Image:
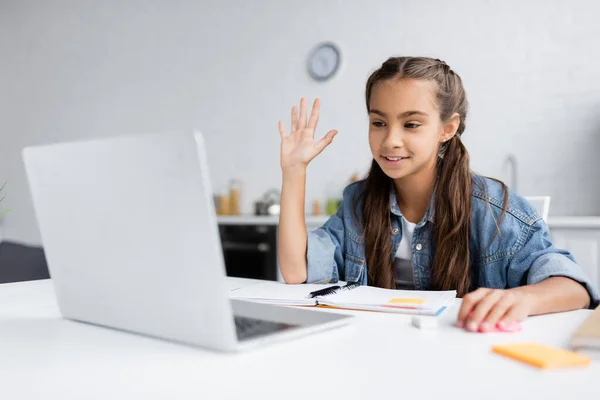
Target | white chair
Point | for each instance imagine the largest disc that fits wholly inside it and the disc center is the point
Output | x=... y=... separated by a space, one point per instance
x=541 y=204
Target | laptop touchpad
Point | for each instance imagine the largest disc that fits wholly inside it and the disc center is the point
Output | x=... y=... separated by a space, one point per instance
x=248 y=328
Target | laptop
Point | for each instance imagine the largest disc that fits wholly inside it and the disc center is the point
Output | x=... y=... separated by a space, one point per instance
x=131 y=238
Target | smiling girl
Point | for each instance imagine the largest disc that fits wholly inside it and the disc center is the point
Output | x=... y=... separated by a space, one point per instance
x=421 y=219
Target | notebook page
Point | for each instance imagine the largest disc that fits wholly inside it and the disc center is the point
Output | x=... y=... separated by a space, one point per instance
x=389 y=298
x=279 y=293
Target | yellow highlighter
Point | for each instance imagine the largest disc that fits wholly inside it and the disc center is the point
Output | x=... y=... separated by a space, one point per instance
x=542 y=356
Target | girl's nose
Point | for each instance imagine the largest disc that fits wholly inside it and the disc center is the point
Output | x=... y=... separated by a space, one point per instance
x=393 y=138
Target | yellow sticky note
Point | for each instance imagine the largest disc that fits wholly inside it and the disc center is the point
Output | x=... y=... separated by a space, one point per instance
x=407 y=301
x=541 y=356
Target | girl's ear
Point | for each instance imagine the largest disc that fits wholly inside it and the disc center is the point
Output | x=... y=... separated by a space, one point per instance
x=450 y=127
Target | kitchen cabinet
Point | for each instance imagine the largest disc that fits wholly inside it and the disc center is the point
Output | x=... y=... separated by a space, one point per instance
x=581 y=237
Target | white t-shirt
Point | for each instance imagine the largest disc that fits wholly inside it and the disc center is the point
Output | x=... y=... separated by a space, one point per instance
x=403 y=272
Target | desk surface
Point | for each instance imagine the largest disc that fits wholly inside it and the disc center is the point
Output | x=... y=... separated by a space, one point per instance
x=379 y=356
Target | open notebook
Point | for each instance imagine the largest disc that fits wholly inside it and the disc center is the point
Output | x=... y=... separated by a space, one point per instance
x=367 y=298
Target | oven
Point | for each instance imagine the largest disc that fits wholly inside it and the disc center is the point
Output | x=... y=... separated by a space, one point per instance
x=250 y=251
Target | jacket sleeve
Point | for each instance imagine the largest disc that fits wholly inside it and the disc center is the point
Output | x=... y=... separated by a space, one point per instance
x=539 y=259
x=325 y=250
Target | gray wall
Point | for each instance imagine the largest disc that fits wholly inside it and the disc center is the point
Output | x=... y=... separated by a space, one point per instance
x=83 y=69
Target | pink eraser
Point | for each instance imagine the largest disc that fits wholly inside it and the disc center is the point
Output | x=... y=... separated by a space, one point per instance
x=512 y=327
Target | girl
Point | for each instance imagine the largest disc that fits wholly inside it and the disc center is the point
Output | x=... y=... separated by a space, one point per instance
x=421 y=219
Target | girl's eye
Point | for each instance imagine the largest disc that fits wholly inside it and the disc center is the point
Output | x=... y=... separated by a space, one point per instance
x=411 y=126
x=378 y=124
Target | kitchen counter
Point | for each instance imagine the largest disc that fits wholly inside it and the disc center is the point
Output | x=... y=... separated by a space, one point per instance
x=265 y=220
x=574 y=222
x=591 y=222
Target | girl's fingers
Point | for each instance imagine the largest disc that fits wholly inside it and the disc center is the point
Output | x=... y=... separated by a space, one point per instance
x=514 y=314
x=326 y=140
x=469 y=302
x=282 y=132
x=314 y=115
x=497 y=312
x=294 y=119
x=482 y=309
x=302 y=119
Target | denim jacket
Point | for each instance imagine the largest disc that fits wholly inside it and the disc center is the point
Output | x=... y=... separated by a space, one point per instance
x=522 y=253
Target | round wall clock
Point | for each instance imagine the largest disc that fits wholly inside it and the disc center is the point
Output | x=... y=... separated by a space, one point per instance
x=324 y=61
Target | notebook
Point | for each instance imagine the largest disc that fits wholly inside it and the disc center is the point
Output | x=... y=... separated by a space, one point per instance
x=587 y=335
x=348 y=296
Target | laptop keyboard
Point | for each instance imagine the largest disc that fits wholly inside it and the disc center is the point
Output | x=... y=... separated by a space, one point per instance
x=248 y=328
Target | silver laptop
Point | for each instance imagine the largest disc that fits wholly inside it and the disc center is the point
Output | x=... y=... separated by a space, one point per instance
x=131 y=238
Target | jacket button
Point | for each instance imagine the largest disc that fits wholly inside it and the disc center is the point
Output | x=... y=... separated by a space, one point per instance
x=419 y=246
x=395 y=231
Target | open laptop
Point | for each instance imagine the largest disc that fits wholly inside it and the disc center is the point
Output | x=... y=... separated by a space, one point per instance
x=131 y=238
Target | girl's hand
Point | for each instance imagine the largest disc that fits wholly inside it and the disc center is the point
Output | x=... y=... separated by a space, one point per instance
x=299 y=147
x=482 y=309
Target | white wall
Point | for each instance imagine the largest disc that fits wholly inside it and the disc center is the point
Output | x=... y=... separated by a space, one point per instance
x=83 y=69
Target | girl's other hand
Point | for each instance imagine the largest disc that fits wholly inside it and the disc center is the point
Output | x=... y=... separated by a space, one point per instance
x=484 y=308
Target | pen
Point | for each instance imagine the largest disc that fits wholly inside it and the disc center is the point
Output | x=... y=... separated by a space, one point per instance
x=321 y=292
x=349 y=286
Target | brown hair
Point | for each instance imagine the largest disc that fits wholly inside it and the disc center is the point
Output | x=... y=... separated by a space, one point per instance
x=451 y=231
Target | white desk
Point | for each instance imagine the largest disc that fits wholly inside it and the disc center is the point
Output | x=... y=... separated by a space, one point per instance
x=379 y=356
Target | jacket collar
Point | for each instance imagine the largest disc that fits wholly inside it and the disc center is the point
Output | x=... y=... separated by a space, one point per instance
x=429 y=214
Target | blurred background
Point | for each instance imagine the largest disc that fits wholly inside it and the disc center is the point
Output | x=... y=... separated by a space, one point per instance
x=73 y=70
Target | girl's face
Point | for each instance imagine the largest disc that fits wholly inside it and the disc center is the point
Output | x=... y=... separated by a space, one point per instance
x=405 y=129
